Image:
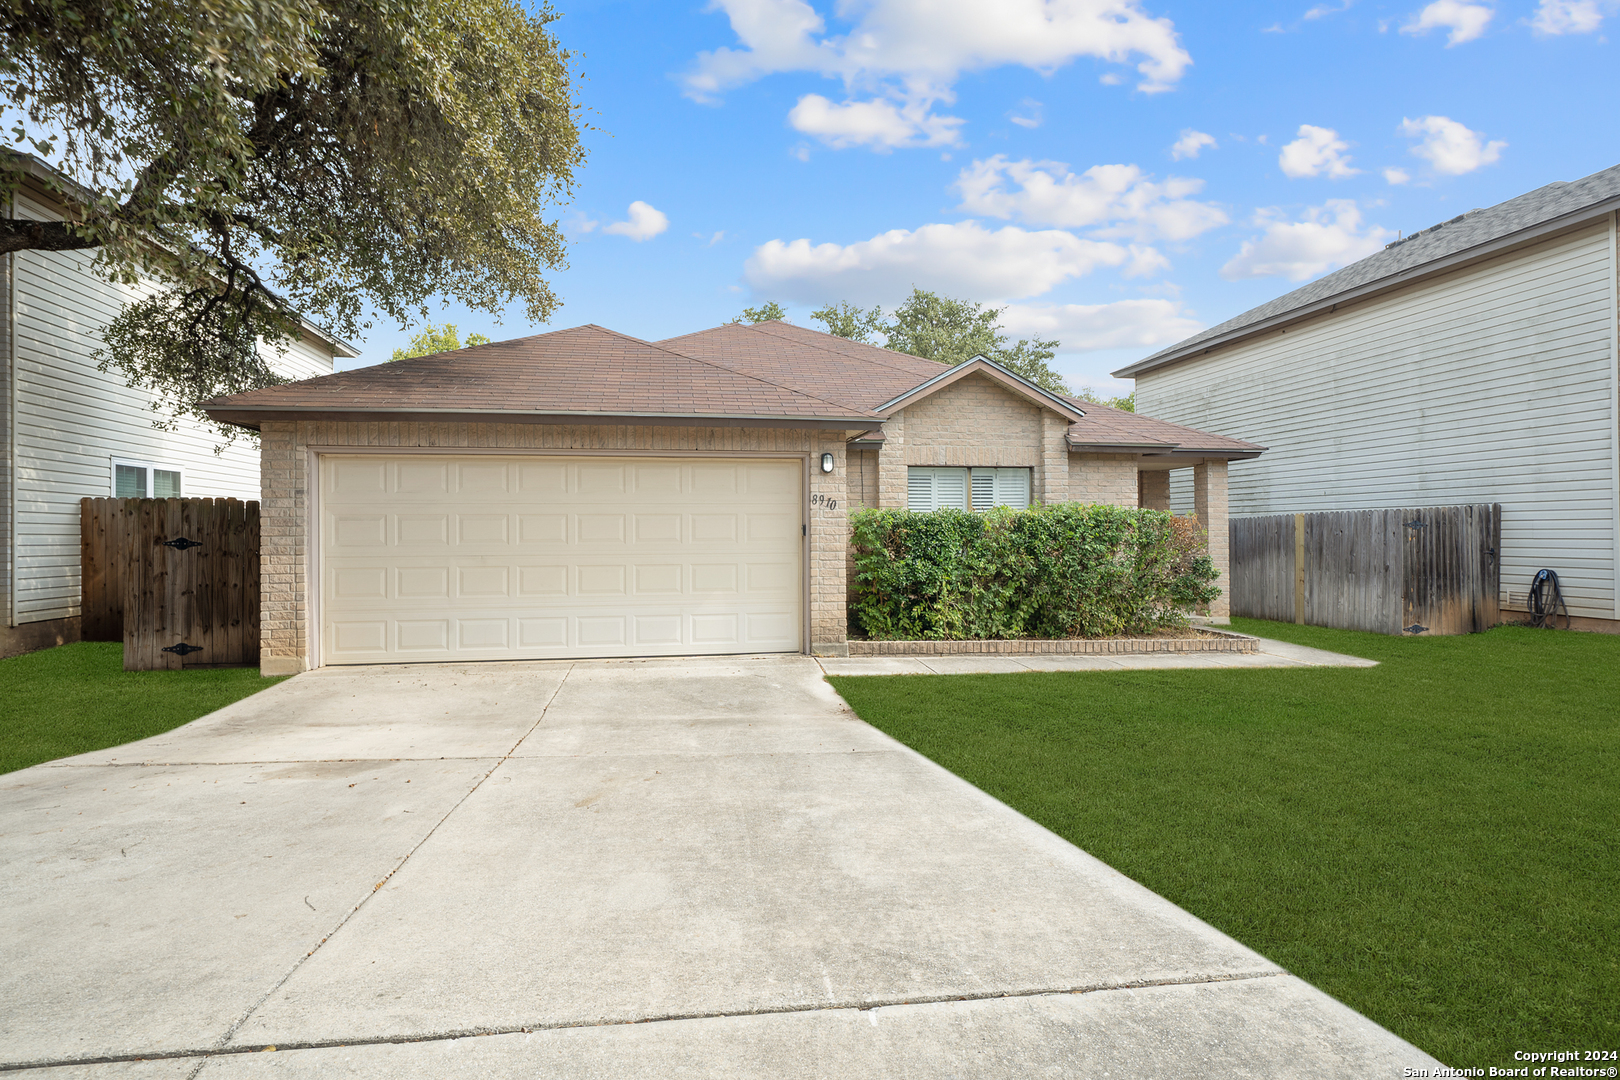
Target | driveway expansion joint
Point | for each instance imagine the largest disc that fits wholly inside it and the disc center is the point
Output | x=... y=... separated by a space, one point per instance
x=780 y=1010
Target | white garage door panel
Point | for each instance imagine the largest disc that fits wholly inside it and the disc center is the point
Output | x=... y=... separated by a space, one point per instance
x=503 y=558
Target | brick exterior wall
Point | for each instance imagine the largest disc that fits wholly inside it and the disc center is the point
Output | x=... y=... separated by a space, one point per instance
x=1109 y=479
x=286 y=634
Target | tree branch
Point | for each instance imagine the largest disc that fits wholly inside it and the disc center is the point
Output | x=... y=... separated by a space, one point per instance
x=18 y=235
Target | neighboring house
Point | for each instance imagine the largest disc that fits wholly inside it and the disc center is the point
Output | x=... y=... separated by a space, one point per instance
x=585 y=493
x=1472 y=362
x=68 y=430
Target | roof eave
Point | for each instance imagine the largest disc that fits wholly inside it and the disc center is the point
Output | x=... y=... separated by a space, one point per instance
x=1456 y=260
x=253 y=417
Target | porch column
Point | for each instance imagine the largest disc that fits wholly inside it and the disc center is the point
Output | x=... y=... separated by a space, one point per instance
x=1153 y=489
x=1209 y=502
x=892 y=486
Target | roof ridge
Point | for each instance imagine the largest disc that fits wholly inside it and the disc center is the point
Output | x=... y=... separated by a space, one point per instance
x=746 y=375
x=836 y=352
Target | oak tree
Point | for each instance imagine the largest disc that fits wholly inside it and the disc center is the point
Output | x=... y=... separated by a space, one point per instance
x=253 y=159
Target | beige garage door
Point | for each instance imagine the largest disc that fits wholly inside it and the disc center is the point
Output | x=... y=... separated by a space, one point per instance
x=509 y=558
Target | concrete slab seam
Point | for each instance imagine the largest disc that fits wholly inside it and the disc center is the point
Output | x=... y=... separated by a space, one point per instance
x=467 y=1033
x=243 y=1019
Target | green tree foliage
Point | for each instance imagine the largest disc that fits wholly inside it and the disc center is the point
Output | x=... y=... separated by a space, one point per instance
x=848 y=321
x=947 y=330
x=260 y=157
x=436 y=339
x=1124 y=404
x=767 y=311
x=1055 y=571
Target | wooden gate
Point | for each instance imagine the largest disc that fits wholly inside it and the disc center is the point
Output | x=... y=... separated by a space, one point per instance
x=177 y=580
x=1426 y=571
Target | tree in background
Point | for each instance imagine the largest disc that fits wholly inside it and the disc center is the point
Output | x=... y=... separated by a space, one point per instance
x=258 y=158
x=436 y=339
x=848 y=321
x=947 y=330
x=767 y=311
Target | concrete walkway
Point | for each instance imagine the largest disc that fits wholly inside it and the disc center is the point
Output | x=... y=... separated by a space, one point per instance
x=656 y=868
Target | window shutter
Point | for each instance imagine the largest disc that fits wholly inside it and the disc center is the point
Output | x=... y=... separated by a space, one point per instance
x=1012 y=488
x=984 y=489
x=920 y=489
x=950 y=489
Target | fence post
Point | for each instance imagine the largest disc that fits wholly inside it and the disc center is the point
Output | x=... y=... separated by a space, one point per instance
x=1299 y=568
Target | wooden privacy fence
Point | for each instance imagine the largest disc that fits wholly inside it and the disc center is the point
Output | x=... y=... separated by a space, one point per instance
x=1426 y=571
x=176 y=580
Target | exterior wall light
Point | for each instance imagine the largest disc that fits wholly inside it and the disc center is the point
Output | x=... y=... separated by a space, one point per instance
x=826 y=463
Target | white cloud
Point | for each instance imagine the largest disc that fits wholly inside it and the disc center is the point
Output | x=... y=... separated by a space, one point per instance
x=1190 y=143
x=1449 y=147
x=1396 y=176
x=644 y=223
x=1465 y=21
x=963 y=259
x=1318 y=150
x=1569 y=16
x=1322 y=11
x=1031 y=114
x=1329 y=236
x=914 y=52
x=1123 y=324
x=880 y=123
x=1117 y=200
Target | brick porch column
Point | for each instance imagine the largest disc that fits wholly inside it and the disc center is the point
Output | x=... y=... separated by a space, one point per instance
x=1209 y=502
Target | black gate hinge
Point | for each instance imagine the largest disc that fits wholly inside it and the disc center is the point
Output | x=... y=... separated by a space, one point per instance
x=1414 y=629
x=182 y=649
x=181 y=543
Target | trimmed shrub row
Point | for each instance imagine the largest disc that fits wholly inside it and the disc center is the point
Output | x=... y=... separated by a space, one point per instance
x=1056 y=571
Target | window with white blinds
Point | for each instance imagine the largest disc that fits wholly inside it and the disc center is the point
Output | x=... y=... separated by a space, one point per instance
x=934 y=488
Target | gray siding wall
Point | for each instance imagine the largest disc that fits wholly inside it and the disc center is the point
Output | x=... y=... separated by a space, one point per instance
x=1490 y=384
x=72 y=421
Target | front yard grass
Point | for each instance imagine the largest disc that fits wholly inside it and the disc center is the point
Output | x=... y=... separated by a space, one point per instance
x=1432 y=841
x=77 y=698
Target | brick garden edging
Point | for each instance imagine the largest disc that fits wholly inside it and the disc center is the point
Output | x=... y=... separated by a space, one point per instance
x=1208 y=641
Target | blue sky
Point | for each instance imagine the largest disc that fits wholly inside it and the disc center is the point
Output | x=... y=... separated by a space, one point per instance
x=1117 y=174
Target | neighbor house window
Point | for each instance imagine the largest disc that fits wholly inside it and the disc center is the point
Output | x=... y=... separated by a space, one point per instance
x=144 y=480
x=934 y=488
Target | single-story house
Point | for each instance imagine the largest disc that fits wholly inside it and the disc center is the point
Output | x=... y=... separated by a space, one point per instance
x=68 y=430
x=585 y=493
x=1476 y=361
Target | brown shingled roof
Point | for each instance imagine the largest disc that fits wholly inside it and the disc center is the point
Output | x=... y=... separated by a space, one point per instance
x=859 y=375
x=588 y=371
x=770 y=373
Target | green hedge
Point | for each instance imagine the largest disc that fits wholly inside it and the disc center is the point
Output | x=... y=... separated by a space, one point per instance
x=1056 y=571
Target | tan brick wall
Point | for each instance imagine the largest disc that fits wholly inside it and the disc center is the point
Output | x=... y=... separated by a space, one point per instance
x=1108 y=479
x=975 y=422
x=1209 y=503
x=285 y=485
x=1153 y=489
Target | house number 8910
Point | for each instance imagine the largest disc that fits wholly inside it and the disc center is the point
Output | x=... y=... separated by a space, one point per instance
x=824 y=502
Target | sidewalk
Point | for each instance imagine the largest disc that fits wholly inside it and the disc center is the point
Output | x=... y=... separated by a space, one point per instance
x=1272 y=654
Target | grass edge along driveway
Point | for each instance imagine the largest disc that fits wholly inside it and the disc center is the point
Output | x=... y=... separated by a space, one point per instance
x=1432 y=841
x=77 y=698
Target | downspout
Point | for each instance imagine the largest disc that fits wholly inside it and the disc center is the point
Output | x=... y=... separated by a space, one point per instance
x=1614 y=394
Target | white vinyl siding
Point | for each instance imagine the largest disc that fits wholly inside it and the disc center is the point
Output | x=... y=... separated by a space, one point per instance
x=72 y=419
x=931 y=488
x=1489 y=384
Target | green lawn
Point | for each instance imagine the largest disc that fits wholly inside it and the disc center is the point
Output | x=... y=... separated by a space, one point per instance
x=76 y=698
x=1433 y=841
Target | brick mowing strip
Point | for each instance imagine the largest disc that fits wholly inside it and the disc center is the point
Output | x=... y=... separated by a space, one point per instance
x=1223 y=643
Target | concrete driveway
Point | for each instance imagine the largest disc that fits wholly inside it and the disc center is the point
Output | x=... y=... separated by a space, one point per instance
x=681 y=868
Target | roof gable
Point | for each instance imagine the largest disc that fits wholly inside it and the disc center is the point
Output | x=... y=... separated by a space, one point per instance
x=979 y=365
